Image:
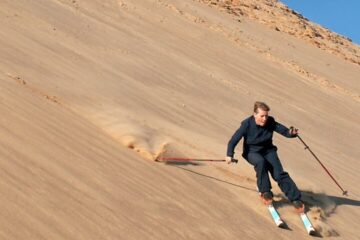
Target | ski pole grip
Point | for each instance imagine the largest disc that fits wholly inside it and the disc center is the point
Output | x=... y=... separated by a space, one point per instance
x=234 y=160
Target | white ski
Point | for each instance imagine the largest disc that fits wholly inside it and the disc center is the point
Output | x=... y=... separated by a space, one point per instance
x=309 y=227
x=275 y=216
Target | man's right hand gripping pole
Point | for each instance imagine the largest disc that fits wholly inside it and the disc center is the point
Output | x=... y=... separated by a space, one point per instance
x=230 y=160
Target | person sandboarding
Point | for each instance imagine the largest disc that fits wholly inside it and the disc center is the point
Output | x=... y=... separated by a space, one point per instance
x=259 y=150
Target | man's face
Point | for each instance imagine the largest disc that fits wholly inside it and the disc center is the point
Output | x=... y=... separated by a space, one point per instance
x=261 y=117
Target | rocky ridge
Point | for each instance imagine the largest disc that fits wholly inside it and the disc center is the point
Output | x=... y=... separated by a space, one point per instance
x=281 y=18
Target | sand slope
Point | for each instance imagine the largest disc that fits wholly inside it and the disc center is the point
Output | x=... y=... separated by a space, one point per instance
x=93 y=91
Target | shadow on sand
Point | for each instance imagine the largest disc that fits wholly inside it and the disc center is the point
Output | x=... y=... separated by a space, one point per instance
x=320 y=206
x=321 y=200
x=309 y=197
x=179 y=165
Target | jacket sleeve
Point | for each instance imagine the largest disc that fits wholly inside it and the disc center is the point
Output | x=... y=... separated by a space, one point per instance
x=235 y=139
x=281 y=129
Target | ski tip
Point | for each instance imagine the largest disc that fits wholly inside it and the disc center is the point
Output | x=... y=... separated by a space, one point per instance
x=281 y=224
x=312 y=232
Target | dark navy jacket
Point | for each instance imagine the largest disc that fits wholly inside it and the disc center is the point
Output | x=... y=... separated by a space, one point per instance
x=256 y=138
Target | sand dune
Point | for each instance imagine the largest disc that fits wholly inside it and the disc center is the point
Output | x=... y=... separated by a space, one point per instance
x=92 y=92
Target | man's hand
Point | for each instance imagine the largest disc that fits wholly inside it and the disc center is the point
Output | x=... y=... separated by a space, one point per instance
x=293 y=131
x=230 y=160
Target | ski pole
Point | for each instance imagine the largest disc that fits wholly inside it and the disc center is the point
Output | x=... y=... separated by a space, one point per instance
x=193 y=160
x=327 y=171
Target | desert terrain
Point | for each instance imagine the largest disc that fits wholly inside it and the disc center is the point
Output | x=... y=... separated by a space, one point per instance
x=93 y=92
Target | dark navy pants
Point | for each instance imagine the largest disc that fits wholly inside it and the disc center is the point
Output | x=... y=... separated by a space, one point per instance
x=270 y=163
